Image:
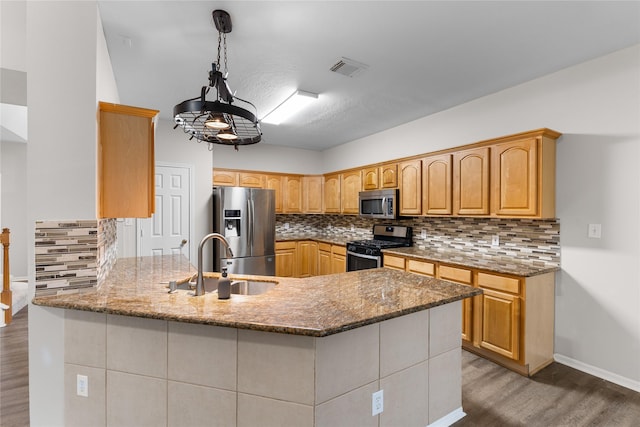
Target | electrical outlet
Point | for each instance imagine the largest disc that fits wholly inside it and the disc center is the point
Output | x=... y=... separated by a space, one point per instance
x=595 y=231
x=377 y=403
x=353 y=227
x=82 y=385
x=423 y=234
x=286 y=225
x=495 y=240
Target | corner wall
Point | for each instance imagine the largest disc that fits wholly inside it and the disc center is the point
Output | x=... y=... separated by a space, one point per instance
x=596 y=106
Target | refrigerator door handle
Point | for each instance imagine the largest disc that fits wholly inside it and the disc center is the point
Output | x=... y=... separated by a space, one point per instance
x=251 y=222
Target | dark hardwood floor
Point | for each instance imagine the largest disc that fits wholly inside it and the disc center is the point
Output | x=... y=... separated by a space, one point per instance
x=491 y=395
x=556 y=396
x=14 y=372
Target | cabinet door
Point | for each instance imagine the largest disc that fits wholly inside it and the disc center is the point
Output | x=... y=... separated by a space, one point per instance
x=126 y=162
x=332 y=193
x=370 y=180
x=324 y=259
x=465 y=277
x=424 y=268
x=251 y=179
x=471 y=182
x=437 y=193
x=410 y=187
x=394 y=262
x=338 y=259
x=307 y=259
x=312 y=194
x=274 y=182
x=286 y=259
x=389 y=176
x=514 y=167
x=292 y=196
x=350 y=187
x=225 y=178
x=500 y=323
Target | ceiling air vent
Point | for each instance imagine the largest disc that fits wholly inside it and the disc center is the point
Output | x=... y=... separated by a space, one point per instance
x=348 y=67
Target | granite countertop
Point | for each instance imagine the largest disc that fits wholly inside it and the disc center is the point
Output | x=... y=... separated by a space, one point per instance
x=496 y=264
x=316 y=306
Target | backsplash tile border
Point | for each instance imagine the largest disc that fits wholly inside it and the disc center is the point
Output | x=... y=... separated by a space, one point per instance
x=527 y=240
x=73 y=255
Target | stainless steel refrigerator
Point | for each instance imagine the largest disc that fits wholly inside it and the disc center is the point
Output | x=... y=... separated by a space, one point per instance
x=246 y=217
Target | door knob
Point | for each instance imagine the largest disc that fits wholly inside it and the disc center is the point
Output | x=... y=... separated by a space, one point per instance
x=184 y=242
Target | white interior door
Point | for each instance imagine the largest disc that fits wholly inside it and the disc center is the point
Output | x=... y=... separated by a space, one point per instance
x=167 y=231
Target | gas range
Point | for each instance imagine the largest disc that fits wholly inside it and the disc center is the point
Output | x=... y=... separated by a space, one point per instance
x=364 y=254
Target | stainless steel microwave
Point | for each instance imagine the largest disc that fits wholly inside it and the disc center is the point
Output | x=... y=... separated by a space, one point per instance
x=379 y=204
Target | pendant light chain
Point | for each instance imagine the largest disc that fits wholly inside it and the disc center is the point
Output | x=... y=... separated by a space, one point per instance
x=224 y=37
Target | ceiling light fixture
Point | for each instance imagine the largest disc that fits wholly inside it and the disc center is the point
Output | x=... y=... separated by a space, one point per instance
x=290 y=106
x=218 y=121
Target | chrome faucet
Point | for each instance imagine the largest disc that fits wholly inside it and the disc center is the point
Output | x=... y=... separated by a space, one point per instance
x=200 y=280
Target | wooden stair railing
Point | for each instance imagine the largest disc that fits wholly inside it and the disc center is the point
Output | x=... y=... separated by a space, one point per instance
x=6 y=297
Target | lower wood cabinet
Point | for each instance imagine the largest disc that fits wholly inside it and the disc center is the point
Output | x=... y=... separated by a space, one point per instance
x=338 y=259
x=463 y=276
x=324 y=259
x=307 y=258
x=511 y=323
x=286 y=259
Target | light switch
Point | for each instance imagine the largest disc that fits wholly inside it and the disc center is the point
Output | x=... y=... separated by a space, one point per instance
x=595 y=231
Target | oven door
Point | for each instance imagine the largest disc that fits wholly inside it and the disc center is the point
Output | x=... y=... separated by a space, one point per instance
x=362 y=262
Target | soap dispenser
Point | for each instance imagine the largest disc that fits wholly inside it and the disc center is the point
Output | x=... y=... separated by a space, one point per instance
x=224 y=285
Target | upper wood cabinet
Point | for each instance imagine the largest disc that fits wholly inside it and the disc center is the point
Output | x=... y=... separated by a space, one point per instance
x=370 y=178
x=292 y=197
x=251 y=179
x=274 y=182
x=375 y=177
x=225 y=178
x=471 y=182
x=437 y=194
x=351 y=184
x=410 y=184
x=312 y=194
x=523 y=177
x=389 y=176
x=126 y=163
x=332 y=193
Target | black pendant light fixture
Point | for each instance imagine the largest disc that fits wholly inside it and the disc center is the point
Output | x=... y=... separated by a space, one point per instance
x=218 y=121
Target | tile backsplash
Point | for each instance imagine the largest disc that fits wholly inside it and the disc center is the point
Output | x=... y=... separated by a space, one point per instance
x=524 y=239
x=73 y=255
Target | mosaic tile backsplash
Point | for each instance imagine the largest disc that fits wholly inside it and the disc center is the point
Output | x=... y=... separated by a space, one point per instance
x=523 y=239
x=74 y=255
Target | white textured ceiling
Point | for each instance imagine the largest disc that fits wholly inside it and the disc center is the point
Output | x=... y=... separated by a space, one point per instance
x=423 y=56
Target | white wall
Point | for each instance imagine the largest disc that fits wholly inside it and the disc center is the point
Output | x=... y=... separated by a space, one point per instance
x=65 y=57
x=13 y=190
x=265 y=158
x=596 y=105
x=172 y=146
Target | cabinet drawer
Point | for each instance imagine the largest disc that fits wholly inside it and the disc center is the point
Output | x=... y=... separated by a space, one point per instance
x=324 y=247
x=420 y=267
x=499 y=283
x=286 y=245
x=456 y=274
x=339 y=250
x=394 y=262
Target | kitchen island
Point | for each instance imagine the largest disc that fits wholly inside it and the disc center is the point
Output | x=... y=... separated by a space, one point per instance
x=307 y=352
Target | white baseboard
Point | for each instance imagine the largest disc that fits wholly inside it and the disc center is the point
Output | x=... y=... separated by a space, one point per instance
x=449 y=419
x=598 y=372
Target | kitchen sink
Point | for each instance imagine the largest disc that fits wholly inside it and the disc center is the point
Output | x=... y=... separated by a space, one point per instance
x=238 y=287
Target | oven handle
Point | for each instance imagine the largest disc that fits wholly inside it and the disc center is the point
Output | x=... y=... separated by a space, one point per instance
x=377 y=258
